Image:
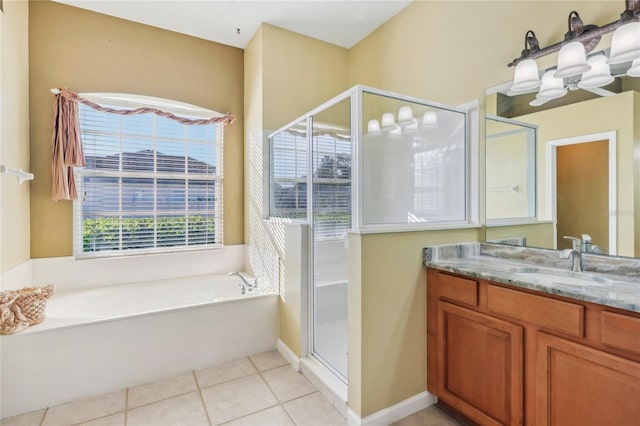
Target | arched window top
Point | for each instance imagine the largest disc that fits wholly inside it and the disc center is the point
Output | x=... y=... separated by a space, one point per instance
x=131 y=101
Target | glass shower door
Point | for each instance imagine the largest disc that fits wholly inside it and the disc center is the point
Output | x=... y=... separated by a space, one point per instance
x=331 y=219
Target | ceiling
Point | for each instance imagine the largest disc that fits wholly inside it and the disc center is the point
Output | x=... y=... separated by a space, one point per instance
x=233 y=22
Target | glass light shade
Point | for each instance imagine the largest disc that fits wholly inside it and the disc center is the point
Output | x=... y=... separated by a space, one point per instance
x=634 y=71
x=599 y=75
x=405 y=115
x=551 y=87
x=625 y=44
x=373 y=127
x=572 y=60
x=526 y=76
x=388 y=121
x=429 y=119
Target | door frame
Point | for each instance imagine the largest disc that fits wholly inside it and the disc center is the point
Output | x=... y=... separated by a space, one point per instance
x=552 y=208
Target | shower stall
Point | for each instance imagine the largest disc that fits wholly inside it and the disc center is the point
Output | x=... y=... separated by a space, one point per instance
x=366 y=161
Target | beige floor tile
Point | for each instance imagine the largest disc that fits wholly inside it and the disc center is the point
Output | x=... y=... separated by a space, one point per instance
x=112 y=420
x=183 y=410
x=274 y=416
x=287 y=383
x=432 y=416
x=86 y=409
x=267 y=360
x=237 y=398
x=314 y=410
x=161 y=389
x=33 y=418
x=230 y=370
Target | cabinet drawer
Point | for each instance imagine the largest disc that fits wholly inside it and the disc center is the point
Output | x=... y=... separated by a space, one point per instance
x=458 y=289
x=620 y=331
x=542 y=311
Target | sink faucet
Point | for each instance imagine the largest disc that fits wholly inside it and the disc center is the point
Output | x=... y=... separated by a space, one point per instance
x=576 y=258
x=576 y=243
x=245 y=285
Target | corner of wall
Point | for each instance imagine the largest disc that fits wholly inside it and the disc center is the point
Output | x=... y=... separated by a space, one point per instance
x=14 y=134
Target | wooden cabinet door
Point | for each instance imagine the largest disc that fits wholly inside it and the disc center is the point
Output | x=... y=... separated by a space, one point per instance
x=582 y=386
x=480 y=365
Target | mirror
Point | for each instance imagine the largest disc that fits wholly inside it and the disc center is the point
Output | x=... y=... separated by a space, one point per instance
x=565 y=167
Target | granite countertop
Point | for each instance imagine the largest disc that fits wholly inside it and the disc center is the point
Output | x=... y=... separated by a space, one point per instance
x=607 y=280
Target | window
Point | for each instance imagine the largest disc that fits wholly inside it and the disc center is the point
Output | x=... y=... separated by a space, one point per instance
x=331 y=179
x=288 y=189
x=150 y=184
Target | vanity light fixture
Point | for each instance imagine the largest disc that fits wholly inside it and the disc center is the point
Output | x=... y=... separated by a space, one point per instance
x=552 y=87
x=373 y=127
x=579 y=40
x=634 y=71
x=405 y=115
x=388 y=121
x=429 y=119
x=407 y=123
x=599 y=75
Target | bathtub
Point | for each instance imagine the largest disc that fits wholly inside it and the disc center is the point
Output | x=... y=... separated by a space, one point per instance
x=104 y=339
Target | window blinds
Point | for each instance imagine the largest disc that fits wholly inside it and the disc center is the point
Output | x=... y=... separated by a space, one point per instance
x=150 y=184
x=331 y=180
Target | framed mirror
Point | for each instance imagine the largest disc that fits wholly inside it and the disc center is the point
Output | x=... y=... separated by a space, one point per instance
x=586 y=168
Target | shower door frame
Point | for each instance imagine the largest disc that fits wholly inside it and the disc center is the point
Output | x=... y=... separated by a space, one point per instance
x=350 y=94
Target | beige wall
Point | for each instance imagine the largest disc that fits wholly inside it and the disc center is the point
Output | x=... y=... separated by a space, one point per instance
x=14 y=133
x=595 y=116
x=389 y=304
x=537 y=234
x=90 y=52
x=286 y=75
x=448 y=52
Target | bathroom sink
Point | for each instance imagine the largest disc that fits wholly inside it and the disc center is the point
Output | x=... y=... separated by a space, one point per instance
x=525 y=269
x=565 y=278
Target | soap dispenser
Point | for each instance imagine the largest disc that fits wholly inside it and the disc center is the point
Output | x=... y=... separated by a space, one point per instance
x=586 y=243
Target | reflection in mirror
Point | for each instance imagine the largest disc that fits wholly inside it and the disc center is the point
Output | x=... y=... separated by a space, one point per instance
x=587 y=181
x=511 y=171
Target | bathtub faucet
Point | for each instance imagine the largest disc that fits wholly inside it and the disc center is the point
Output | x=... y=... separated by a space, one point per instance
x=245 y=285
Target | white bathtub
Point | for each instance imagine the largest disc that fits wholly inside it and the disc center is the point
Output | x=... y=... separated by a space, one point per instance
x=104 y=339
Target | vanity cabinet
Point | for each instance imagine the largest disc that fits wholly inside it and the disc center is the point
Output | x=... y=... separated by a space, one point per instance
x=480 y=364
x=502 y=355
x=579 y=385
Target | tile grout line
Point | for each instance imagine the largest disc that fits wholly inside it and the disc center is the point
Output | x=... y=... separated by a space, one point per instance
x=206 y=412
x=281 y=404
x=274 y=394
x=44 y=416
x=126 y=407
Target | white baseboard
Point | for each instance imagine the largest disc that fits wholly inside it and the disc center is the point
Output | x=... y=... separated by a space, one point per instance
x=394 y=413
x=288 y=354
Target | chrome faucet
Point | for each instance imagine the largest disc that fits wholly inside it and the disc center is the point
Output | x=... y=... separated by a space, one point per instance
x=576 y=258
x=245 y=285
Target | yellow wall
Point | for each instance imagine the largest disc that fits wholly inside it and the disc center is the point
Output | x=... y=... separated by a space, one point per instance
x=90 y=52
x=390 y=303
x=595 y=116
x=507 y=170
x=448 y=52
x=14 y=133
x=287 y=75
x=537 y=234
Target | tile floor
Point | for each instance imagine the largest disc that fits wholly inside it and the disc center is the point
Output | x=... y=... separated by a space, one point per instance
x=259 y=390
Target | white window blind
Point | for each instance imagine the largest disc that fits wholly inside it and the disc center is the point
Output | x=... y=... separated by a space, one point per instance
x=331 y=186
x=331 y=180
x=288 y=188
x=150 y=184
